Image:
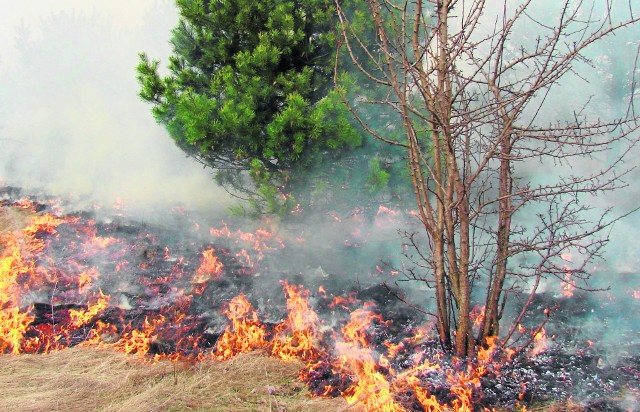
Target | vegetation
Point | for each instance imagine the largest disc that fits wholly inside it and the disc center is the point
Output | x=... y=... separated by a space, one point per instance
x=466 y=101
x=249 y=90
x=478 y=105
x=86 y=379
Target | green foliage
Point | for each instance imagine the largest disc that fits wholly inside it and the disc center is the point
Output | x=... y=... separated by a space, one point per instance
x=250 y=84
x=378 y=176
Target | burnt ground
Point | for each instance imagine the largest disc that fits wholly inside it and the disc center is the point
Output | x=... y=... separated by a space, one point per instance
x=593 y=355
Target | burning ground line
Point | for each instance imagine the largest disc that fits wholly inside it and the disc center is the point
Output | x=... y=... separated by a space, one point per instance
x=370 y=381
x=363 y=376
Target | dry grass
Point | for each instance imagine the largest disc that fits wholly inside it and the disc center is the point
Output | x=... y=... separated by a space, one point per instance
x=12 y=220
x=84 y=379
x=557 y=407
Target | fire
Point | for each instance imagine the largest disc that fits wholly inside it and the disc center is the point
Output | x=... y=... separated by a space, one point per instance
x=539 y=342
x=101 y=334
x=245 y=333
x=16 y=262
x=371 y=391
x=95 y=243
x=261 y=240
x=567 y=284
x=477 y=315
x=210 y=268
x=77 y=311
x=485 y=355
x=302 y=324
x=139 y=341
x=244 y=256
x=14 y=324
x=82 y=317
x=344 y=302
x=418 y=335
x=40 y=224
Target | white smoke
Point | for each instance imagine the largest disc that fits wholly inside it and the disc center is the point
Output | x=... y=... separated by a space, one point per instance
x=71 y=123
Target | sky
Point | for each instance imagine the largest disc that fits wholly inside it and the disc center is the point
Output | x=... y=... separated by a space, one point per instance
x=71 y=123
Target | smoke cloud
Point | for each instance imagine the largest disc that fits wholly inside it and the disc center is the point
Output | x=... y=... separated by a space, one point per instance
x=71 y=123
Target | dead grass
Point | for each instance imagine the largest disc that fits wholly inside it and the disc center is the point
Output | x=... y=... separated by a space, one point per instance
x=567 y=406
x=12 y=220
x=84 y=379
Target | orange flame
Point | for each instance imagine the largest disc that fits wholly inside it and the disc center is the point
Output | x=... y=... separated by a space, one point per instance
x=261 y=240
x=477 y=315
x=301 y=321
x=139 y=341
x=371 y=390
x=210 y=268
x=374 y=382
x=82 y=317
x=245 y=333
x=13 y=321
x=539 y=342
x=567 y=284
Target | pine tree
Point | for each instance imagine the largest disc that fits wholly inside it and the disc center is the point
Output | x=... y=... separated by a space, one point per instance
x=249 y=88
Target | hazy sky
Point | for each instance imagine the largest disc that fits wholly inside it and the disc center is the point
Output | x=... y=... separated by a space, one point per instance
x=119 y=13
x=71 y=122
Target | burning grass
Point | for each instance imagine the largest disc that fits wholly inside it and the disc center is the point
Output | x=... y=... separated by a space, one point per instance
x=177 y=308
x=83 y=379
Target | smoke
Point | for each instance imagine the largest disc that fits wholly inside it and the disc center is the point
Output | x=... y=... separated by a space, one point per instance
x=71 y=124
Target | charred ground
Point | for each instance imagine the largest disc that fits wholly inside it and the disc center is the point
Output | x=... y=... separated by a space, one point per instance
x=147 y=270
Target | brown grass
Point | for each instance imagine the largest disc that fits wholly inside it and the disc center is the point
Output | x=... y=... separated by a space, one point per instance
x=12 y=220
x=84 y=379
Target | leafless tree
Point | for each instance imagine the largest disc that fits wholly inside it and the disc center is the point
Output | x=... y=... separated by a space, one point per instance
x=477 y=100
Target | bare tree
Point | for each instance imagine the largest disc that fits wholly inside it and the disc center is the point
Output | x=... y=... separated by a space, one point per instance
x=476 y=101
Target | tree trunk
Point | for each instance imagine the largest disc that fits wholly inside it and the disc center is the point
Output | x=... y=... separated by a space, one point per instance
x=491 y=323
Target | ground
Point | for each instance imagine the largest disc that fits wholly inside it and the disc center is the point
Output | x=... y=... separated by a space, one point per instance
x=89 y=379
x=92 y=379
